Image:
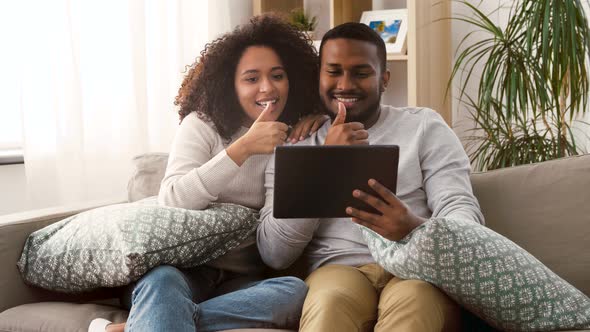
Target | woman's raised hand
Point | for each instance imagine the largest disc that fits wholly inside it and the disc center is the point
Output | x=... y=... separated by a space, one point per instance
x=265 y=133
x=306 y=126
x=262 y=137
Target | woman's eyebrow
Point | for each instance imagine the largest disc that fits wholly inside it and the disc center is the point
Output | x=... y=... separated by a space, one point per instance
x=250 y=71
x=254 y=71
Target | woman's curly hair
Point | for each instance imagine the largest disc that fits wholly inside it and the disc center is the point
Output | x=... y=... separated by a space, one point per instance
x=208 y=87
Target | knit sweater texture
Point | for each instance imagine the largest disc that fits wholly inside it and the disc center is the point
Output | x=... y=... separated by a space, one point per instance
x=433 y=180
x=200 y=172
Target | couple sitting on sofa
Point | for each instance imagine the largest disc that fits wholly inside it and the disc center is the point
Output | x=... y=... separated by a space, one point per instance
x=235 y=106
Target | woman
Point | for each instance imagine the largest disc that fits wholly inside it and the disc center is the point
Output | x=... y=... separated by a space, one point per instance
x=235 y=107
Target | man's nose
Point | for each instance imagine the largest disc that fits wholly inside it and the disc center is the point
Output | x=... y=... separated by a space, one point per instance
x=345 y=82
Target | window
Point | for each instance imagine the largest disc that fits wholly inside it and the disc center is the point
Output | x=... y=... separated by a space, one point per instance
x=10 y=119
x=10 y=66
x=10 y=133
x=10 y=116
x=11 y=142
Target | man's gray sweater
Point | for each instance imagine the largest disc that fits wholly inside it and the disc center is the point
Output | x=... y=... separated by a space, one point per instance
x=433 y=180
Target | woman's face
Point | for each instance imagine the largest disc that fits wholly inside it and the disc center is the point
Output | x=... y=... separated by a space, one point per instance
x=260 y=79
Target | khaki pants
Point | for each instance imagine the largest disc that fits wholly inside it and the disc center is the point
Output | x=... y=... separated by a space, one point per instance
x=345 y=298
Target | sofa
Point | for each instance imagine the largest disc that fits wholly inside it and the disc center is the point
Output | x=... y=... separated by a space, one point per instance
x=544 y=208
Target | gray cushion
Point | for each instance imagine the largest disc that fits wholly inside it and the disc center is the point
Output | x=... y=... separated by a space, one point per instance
x=117 y=244
x=545 y=209
x=149 y=172
x=486 y=273
x=56 y=317
x=14 y=230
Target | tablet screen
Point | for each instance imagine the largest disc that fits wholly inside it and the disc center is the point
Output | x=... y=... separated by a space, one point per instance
x=317 y=181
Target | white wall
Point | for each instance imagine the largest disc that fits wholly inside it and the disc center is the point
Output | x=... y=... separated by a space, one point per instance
x=13 y=197
x=584 y=130
x=320 y=9
x=459 y=29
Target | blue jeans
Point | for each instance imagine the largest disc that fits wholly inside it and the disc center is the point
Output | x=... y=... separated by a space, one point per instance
x=208 y=299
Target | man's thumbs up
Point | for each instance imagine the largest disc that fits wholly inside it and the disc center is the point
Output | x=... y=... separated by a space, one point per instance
x=341 y=116
x=341 y=133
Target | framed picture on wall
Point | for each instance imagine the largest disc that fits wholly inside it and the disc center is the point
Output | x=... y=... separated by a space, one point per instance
x=391 y=25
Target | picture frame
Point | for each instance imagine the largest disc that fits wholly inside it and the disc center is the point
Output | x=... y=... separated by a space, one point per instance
x=392 y=26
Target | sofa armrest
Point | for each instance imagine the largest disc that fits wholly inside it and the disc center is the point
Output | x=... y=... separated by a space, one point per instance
x=543 y=208
x=14 y=230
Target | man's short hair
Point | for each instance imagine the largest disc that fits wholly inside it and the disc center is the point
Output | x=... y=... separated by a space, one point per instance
x=357 y=31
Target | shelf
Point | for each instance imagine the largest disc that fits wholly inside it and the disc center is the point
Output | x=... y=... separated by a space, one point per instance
x=397 y=57
x=282 y=6
x=423 y=73
x=343 y=11
x=392 y=57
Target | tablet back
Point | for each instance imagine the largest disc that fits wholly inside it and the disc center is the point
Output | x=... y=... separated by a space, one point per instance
x=317 y=181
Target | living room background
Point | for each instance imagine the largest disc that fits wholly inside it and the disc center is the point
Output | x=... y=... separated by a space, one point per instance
x=160 y=83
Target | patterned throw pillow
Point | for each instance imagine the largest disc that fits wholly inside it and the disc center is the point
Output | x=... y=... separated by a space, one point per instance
x=486 y=273
x=117 y=244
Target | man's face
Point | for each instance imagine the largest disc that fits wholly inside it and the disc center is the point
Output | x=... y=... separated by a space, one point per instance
x=351 y=73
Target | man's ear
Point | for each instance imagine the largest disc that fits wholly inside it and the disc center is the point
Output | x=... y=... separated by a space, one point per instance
x=384 y=80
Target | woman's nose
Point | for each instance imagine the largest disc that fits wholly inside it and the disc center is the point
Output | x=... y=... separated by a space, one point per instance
x=266 y=85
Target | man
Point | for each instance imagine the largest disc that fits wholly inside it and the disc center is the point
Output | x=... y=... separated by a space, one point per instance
x=347 y=290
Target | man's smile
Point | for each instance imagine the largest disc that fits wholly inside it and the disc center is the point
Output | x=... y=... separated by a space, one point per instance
x=349 y=100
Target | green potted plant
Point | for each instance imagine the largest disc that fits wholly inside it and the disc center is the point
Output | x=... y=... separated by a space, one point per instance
x=303 y=22
x=533 y=84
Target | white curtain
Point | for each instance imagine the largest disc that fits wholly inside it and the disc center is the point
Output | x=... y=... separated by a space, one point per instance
x=98 y=84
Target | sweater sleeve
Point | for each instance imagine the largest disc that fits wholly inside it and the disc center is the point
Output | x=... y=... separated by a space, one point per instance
x=195 y=176
x=445 y=171
x=281 y=241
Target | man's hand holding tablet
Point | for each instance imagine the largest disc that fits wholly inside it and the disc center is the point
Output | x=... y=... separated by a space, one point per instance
x=316 y=181
x=395 y=221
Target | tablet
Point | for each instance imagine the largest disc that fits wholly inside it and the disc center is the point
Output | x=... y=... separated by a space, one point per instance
x=317 y=181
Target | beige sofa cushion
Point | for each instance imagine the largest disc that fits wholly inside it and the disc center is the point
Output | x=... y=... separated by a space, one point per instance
x=56 y=316
x=149 y=172
x=544 y=208
x=68 y=317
